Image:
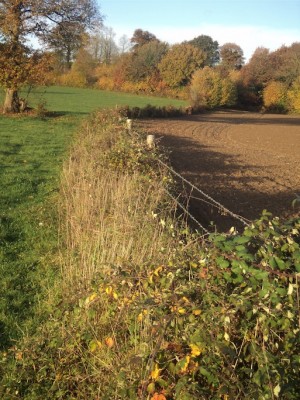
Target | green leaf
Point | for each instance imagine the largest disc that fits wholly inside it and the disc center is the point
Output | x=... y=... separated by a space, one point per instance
x=280 y=263
x=261 y=275
x=221 y=262
x=241 y=239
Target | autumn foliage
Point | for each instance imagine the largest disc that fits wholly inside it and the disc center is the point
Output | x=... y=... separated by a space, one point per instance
x=209 y=90
x=200 y=70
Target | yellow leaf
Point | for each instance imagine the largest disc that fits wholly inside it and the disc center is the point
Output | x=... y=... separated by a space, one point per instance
x=276 y=390
x=90 y=298
x=109 y=290
x=197 y=312
x=157 y=271
x=140 y=317
x=186 y=364
x=155 y=373
x=115 y=296
x=195 y=350
x=181 y=310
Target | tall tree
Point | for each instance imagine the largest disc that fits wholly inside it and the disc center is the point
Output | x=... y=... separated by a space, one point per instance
x=102 y=45
x=141 y=37
x=145 y=60
x=20 y=18
x=65 y=39
x=124 y=44
x=259 y=70
x=209 y=46
x=179 y=64
x=232 y=56
x=287 y=61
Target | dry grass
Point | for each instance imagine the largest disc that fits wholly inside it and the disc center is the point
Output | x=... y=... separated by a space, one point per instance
x=108 y=215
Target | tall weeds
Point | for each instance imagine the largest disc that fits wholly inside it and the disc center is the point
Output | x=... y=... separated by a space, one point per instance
x=109 y=215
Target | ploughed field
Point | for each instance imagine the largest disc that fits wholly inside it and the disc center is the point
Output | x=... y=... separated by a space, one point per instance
x=246 y=161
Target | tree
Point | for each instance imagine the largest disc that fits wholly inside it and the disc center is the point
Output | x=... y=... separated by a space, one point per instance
x=259 y=70
x=294 y=95
x=124 y=44
x=65 y=39
x=84 y=65
x=102 y=45
x=141 y=37
x=275 y=96
x=145 y=60
x=179 y=64
x=20 y=66
x=232 y=56
x=20 y=18
x=287 y=61
x=208 y=89
x=209 y=47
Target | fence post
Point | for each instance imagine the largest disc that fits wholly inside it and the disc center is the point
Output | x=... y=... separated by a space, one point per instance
x=129 y=124
x=150 y=141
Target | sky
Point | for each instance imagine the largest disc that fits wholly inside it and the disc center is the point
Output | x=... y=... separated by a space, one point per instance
x=248 y=23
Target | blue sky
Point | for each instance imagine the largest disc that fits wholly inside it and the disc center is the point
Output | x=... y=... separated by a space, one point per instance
x=250 y=24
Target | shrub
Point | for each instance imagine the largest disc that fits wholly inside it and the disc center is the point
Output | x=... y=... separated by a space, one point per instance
x=275 y=97
x=73 y=78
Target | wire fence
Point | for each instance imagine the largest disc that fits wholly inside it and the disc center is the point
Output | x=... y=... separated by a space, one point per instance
x=205 y=198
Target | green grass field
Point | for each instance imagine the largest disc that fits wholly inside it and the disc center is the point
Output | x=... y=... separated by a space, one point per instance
x=84 y=101
x=31 y=154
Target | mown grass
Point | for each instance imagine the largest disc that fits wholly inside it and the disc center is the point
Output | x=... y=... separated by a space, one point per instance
x=31 y=153
x=83 y=101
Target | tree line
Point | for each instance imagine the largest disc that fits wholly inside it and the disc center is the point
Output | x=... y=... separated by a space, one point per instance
x=78 y=50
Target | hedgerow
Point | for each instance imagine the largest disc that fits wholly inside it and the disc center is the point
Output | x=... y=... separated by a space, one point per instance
x=172 y=317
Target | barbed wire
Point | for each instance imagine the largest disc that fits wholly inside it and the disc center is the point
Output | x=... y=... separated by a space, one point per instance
x=187 y=212
x=214 y=202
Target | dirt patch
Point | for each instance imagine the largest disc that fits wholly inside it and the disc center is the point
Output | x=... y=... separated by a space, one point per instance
x=246 y=161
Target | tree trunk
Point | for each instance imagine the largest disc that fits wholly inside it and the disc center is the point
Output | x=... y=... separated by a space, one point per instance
x=11 y=102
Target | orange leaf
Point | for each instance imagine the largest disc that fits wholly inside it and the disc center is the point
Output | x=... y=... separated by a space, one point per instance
x=158 y=396
x=109 y=341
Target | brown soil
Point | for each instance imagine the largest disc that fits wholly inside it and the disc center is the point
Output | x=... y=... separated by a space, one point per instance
x=246 y=161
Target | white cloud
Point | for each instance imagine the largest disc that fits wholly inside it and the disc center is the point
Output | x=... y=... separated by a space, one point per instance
x=248 y=37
